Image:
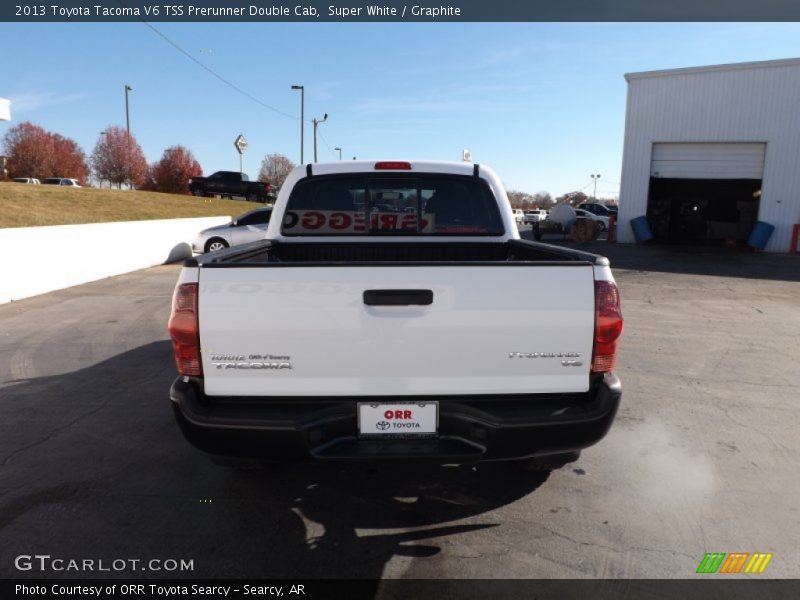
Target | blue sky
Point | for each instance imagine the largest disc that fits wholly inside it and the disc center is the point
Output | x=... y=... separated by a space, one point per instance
x=543 y=103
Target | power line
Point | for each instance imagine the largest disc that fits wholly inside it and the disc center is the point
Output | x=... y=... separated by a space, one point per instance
x=327 y=145
x=215 y=74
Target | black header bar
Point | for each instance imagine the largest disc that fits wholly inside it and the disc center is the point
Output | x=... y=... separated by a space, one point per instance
x=398 y=11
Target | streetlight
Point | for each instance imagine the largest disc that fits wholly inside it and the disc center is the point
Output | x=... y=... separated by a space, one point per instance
x=128 y=127
x=595 y=178
x=340 y=152
x=127 y=113
x=302 y=115
x=317 y=122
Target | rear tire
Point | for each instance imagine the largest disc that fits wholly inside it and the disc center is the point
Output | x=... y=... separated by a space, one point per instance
x=215 y=244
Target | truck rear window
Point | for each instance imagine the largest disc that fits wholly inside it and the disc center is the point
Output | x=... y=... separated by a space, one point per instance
x=412 y=204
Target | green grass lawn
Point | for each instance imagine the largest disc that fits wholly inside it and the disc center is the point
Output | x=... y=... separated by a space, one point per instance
x=23 y=205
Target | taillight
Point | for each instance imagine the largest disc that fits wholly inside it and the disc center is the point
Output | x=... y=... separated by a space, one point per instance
x=607 y=326
x=184 y=330
x=392 y=165
x=267 y=187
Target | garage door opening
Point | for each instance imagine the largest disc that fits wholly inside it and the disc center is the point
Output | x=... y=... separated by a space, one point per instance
x=705 y=192
x=712 y=211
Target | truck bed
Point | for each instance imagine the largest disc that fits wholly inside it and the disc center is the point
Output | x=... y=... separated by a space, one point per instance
x=275 y=253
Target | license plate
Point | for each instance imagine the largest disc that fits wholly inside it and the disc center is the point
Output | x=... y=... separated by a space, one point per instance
x=398 y=419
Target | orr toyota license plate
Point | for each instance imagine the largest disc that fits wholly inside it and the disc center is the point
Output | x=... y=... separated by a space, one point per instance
x=398 y=419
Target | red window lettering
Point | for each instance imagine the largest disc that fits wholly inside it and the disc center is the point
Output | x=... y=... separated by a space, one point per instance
x=408 y=223
x=339 y=221
x=313 y=220
x=360 y=222
x=388 y=221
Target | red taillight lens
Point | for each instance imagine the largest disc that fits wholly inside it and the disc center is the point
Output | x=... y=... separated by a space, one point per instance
x=267 y=187
x=607 y=326
x=392 y=165
x=184 y=330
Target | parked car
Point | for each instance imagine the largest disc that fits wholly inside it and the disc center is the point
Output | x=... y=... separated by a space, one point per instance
x=246 y=228
x=61 y=181
x=30 y=180
x=601 y=210
x=519 y=215
x=585 y=214
x=229 y=184
x=437 y=336
x=534 y=216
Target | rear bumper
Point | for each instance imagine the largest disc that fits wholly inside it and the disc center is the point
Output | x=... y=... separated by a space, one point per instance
x=471 y=428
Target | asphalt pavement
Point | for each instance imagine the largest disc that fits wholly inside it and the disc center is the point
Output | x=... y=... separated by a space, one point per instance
x=703 y=457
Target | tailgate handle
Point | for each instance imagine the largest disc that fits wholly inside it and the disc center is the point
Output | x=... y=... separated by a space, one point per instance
x=398 y=297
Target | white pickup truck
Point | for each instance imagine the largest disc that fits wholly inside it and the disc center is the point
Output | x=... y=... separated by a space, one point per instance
x=392 y=312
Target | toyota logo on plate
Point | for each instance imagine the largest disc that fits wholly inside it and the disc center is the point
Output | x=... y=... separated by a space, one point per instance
x=382 y=425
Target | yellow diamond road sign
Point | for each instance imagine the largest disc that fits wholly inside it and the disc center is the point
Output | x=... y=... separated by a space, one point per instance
x=241 y=144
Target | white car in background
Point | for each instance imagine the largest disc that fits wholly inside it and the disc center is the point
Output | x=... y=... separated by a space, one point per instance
x=519 y=215
x=63 y=181
x=248 y=227
x=585 y=214
x=29 y=180
x=534 y=216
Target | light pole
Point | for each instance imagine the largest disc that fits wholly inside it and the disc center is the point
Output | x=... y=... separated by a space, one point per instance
x=302 y=115
x=317 y=122
x=128 y=127
x=340 y=152
x=595 y=178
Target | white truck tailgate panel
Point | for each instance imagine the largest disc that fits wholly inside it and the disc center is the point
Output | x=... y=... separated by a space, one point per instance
x=484 y=333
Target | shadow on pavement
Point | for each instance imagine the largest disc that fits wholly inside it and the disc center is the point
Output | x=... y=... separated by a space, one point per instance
x=694 y=260
x=93 y=466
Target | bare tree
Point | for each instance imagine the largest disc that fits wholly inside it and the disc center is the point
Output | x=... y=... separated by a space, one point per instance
x=275 y=168
x=572 y=198
x=543 y=200
x=519 y=199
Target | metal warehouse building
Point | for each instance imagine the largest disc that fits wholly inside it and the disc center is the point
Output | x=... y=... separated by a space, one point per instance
x=711 y=150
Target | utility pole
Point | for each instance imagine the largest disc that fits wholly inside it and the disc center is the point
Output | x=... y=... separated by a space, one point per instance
x=128 y=127
x=316 y=123
x=302 y=116
x=340 y=152
x=595 y=178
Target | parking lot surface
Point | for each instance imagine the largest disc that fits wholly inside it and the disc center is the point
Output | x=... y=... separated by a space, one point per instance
x=703 y=456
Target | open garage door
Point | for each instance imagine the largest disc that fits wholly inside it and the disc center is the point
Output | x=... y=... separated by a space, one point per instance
x=705 y=192
x=708 y=161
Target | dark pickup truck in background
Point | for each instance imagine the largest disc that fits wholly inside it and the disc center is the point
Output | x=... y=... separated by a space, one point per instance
x=230 y=184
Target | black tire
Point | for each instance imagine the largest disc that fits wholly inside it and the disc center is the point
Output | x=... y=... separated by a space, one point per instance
x=251 y=197
x=215 y=244
x=199 y=192
x=602 y=226
x=539 y=464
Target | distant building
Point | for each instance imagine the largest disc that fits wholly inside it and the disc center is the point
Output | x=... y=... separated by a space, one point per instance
x=711 y=150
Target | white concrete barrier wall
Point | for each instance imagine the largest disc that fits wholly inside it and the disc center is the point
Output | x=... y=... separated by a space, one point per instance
x=36 y=260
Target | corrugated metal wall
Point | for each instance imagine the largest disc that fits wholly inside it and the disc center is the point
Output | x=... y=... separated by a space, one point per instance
x=754 y=104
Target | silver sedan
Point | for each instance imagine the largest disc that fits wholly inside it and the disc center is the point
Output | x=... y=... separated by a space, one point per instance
x=246 y=228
